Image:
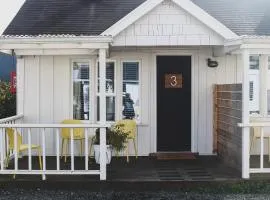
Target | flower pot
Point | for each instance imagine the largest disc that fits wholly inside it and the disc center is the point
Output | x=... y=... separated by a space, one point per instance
x=108 y=153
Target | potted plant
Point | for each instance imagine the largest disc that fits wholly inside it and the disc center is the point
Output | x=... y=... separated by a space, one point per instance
x=116 y=139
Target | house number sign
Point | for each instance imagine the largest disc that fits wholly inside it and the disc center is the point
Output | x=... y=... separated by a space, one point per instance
x=173 y=81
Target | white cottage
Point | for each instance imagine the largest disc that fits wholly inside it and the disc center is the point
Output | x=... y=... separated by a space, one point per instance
x=75 y=57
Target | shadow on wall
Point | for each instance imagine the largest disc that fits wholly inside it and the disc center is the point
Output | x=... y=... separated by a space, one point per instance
x=7 y=86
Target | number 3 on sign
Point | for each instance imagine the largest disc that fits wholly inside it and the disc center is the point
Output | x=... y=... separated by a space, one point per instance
x=173 y=81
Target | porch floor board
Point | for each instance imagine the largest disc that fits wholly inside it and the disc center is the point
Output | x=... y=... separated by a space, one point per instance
x=143 y=169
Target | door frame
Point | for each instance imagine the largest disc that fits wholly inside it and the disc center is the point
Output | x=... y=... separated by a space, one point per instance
x=194 y=61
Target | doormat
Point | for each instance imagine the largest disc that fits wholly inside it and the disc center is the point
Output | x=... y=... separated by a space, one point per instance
x=175 y=156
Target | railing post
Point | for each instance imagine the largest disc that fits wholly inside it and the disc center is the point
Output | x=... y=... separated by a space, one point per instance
x=102 y=110
x=2 y=147
x=86 y=148
x=43 y=154
x=245 y=115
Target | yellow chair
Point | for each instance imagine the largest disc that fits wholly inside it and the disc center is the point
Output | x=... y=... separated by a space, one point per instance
x=130 y=126
x=20 y=146
x=78 y=134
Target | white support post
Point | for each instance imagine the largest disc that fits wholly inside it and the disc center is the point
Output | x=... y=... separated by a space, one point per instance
x=245 y=115
x=102 y=112
x=263 y=84
x=20 y=85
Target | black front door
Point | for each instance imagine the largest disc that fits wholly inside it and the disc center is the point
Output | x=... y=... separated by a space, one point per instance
x=174 y=103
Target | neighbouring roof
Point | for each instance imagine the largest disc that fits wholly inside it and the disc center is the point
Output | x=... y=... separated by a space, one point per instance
x=92 y=17
x=244 y=17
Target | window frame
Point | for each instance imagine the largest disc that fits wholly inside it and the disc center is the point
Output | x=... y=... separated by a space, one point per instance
x=122 y=61
x=118 y=87
x=267 y=83
x=97 y=93
x=91 y=82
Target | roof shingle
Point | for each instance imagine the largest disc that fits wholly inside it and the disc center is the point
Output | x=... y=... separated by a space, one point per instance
x=92 y=17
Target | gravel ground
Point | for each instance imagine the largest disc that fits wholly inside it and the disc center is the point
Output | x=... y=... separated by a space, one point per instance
x=38 y=194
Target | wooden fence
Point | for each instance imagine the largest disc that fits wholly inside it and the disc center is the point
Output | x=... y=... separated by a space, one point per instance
x=227 y=113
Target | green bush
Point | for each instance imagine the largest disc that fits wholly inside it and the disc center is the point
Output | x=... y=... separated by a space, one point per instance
x=7 y=100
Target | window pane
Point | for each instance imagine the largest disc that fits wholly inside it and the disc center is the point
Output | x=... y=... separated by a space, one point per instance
x=80 y=74
x=254 y=62
x=109 y=77
x=131 y=102
x=110 y=108
x=254 y=95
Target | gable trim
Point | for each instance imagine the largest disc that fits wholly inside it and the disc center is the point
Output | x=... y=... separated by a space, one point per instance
x=187 y=5
x=206 y=19
x=132 y=17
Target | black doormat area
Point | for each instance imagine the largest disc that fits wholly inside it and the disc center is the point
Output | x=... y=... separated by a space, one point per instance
x=174 y=156
x=190 y=174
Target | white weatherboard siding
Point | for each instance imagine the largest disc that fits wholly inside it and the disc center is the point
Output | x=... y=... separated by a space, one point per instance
x=167 y=25
x=47 y=93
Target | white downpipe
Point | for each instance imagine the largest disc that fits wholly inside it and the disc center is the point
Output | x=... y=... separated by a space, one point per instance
x=245 y=115
x=102 y=112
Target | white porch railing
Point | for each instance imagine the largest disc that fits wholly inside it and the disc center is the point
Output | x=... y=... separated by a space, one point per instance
x=262 y=126
x=56 y=130
x=17 y=119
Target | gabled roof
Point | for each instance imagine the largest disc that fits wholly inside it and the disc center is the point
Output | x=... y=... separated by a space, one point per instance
x=186 y=5
x=92 y=17
x=77 y=17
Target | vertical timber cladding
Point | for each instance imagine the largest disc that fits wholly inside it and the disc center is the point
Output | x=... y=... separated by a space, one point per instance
x=228 y=113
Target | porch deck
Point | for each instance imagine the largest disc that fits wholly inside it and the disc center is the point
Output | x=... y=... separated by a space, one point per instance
x=144 y=169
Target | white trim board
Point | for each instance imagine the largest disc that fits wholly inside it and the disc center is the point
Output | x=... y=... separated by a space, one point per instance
x=187 y=5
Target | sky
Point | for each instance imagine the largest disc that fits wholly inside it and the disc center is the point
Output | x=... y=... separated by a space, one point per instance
x=8 y=9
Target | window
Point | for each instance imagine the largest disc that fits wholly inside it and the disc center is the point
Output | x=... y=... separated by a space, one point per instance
x=86 y=91
x=251 y=91
x=254 y=83
x=110 y=92
x=254 y=62
x=131 y=92
x=80 y=80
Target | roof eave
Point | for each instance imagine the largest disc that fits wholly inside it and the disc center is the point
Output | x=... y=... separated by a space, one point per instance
x=54 y=42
